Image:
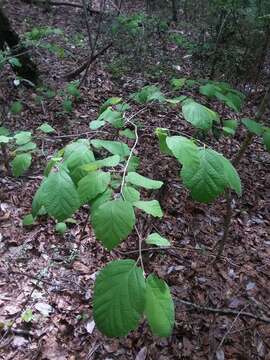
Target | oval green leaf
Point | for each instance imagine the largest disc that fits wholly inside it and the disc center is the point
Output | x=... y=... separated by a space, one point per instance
x=113 y=221
x=159 y=308
x=119 y=298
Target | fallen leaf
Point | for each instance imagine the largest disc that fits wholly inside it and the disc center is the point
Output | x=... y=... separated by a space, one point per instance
x=44 y=309
x=19 y=341
x=220 y=355
x=142 y=354
x=90 y=325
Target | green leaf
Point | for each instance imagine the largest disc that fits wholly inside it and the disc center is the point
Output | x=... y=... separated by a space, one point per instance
x=228 y=131
x=46 y=128
x=59 y=195
x=230 y=126
x=27 y=316
x=231 y=175
x=70 y=221
x=37 y=202
x=185 y=150
x=4 y=139
x=122 y=107
x=253 y=126
x=113 y=221
x=113 y=117
x=96 y=124
x=130 y=194
x=134 y=163
x=159 y=308
x=266 y=139
x=205 y=178
x=77 y=154
x=177 y=84
x=72 y=89
x=148 y=94
x=162 y=135
x=110 y=102
x=23 y=137
x=4 y=131
x=21 y=163
x=208 y=90
x=224 y=93
x=26 y=147
x=142 y=181
x=101 y=199
x=116 y=182
x=61 y=228
x=93 y=184
x=119 y=298
x=151 y=207
x=128 y=134
x=15 y=62
x=110 y=161
x=16 y=107
x=28 y=220
x=199 y=115
x=50 y=165
x=177 y=100
x=230 y=99
x=114 y=147
x=67 y=105
x=156 y=239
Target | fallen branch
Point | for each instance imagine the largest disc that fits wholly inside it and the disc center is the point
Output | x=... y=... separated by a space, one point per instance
x=61 y=3
x=87 y=63
x=238 y=313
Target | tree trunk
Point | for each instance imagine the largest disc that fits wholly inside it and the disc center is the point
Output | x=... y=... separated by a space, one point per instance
x=9 y=37
x=174 y=11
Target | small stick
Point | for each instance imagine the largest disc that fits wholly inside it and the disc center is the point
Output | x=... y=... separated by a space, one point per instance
x=232 y=325
x=201 y=308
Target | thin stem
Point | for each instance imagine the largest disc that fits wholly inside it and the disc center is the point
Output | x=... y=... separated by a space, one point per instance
x=227 y=223
x=88 y=27
x=5 y=158
x=129 y=158
x=140 y=259
x=236 y=161
x=140 y=248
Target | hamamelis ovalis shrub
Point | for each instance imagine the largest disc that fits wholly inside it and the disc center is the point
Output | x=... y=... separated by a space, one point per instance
x=103 y=174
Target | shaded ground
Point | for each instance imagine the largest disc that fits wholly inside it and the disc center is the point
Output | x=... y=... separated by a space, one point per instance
x=49 y=273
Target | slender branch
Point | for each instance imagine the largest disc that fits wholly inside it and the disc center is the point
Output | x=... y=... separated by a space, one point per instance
x=64 y=3
x=232 y=325
x=140 y=248
x=92 y=41
x=123 y=183
x=236 y=161
x=201 y=308
x=227 y=223
x=91 y=45
x=87 y=63
x=5 y=158
x=129 y=158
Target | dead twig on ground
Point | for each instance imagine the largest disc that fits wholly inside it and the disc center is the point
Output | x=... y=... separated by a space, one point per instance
x=201 y=308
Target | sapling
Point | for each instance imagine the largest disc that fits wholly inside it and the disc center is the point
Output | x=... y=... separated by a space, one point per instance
x=79 y=175
x=17 y=149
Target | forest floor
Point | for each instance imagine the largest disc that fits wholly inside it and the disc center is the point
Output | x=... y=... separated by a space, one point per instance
x=54 y=275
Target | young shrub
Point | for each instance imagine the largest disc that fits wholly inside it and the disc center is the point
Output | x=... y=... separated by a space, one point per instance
x=80 y=175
